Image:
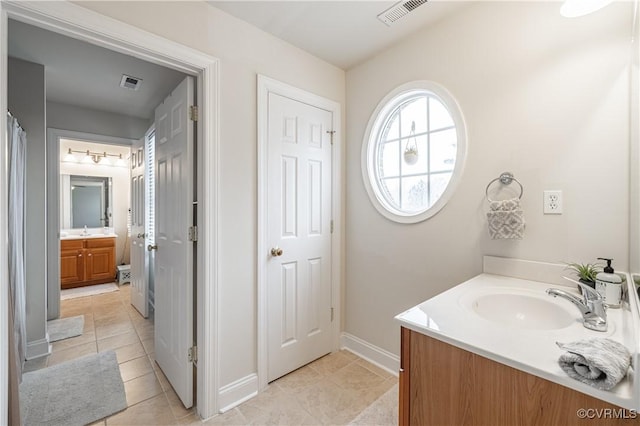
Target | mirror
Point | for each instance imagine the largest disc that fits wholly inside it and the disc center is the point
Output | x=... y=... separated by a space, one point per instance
x=86 y=201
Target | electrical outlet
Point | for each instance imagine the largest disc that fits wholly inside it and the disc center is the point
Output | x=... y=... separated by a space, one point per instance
x=552 y=202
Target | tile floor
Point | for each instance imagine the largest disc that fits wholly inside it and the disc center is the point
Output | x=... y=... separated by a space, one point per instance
x=331 y=390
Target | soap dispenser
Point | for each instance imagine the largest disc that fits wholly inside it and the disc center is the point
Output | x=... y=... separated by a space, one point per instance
x=609 y=285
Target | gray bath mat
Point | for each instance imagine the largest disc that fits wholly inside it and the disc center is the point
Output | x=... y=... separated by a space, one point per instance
x=64 y=328
x=77 y=392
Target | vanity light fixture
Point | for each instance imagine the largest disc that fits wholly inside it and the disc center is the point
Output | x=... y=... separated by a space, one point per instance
x=576 y=8
x=99 y=158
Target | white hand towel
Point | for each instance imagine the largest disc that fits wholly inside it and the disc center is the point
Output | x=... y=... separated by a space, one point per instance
x=506 y=220
x=601 y=363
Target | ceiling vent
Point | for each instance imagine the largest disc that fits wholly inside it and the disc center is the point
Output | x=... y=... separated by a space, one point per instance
x=131 y=83
x=399 y=10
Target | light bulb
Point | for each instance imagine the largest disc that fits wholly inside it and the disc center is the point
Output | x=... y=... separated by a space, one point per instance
x=87 y=158
x=70 y=157
x=120 y=162
x=104 y=161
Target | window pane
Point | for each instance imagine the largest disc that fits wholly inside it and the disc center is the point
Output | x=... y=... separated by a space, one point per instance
x=415 y=196
x=390 y=188
x=439 y=116
x=439 y=183
x=392 y=128
x=422 y=163
x=414 y=111
x=390 y=159
x=443 y=150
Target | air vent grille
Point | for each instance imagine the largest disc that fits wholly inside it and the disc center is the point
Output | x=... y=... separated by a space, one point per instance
x=131 y=83
x=399 y=10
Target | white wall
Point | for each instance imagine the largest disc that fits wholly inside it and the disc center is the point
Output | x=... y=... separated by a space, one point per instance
x=80 y=119
x=544 y=97
x=26 y=97
x=244 y=51
x=120 y=186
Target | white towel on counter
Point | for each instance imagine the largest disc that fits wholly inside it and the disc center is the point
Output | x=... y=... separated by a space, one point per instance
x=506 y=220
x=601 y=363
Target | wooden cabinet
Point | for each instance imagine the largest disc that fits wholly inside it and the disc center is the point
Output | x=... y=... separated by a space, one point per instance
x=441 y=384
x=87 y=261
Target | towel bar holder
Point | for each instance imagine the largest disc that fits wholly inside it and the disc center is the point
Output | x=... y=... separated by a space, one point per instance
x=505 y=178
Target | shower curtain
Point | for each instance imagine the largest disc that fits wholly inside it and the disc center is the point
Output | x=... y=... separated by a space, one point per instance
x=17 y=139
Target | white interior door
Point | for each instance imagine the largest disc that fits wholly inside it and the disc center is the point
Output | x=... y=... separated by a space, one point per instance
x=138 y=252
x=174 y=282
x=299 y=232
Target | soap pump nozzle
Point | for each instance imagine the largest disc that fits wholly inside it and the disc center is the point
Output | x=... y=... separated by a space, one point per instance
x=608 y=269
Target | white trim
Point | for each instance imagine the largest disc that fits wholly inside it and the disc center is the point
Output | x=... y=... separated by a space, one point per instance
x=375 y=126
x=78 y=22
x=375 y=355
x=38 y=348
x=4 y=225
x=268 y=85
x=237 y=392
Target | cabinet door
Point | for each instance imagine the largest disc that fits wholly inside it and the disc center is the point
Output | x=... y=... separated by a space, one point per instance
x=72 y=266
x=100 y=263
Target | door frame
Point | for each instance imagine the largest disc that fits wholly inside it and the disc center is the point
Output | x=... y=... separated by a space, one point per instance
x=267 y=85
x=78 y=22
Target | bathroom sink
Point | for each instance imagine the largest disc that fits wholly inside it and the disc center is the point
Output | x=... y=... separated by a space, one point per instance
x=523 y=311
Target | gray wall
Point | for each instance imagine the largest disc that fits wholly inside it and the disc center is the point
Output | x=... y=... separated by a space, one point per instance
x=79 y=119
x=26 y=99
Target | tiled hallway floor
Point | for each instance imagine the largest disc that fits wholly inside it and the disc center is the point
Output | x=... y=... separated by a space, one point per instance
x=331 y=390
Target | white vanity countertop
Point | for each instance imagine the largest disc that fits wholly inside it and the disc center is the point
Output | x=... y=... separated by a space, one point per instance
x=86 y=237
x=448 y=318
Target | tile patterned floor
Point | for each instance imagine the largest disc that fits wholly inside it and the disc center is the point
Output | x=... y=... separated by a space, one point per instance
x=332 y=390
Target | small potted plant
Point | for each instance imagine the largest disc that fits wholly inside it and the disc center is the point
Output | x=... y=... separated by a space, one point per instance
x=585 y=272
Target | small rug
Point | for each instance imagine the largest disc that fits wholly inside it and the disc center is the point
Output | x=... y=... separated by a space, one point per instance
x=90 y=290
x=63 y=328
x=383 y=411
x=76 y=392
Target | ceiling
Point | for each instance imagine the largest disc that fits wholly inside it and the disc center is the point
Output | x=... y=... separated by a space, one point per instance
x=82 y=74
x=343 y=33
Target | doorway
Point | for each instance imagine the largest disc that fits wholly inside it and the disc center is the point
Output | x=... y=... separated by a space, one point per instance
x=80 y=23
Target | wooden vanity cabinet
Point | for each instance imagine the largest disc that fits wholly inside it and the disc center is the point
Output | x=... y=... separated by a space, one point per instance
x=87 y=262
x=441 y=384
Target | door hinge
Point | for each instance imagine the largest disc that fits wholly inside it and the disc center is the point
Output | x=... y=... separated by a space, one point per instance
x=193 y=113
x=193 y=233
x=331 y=132
x=331 y=314
x=332 y=226
x=193 y=353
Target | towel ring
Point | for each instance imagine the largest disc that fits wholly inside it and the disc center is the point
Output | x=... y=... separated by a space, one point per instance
x=505 y=178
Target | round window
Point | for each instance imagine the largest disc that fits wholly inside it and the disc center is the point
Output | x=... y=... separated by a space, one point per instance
x=413 y=152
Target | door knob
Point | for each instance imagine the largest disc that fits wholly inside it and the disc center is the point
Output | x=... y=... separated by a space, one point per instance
x=152 y=247
x=141 y=235
x=276 y=251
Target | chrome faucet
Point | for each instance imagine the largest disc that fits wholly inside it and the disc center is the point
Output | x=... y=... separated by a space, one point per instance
x=591 y=306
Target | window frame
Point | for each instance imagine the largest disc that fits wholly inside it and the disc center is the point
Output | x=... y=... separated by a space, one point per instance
x=370 y=148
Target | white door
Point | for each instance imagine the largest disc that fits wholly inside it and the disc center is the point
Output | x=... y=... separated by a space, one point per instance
x=299 y=234
x=174 y=282
x=139 y=283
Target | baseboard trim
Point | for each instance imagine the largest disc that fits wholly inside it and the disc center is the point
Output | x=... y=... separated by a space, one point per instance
x=38 y=348
x=236 y=393
x=375 y=355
